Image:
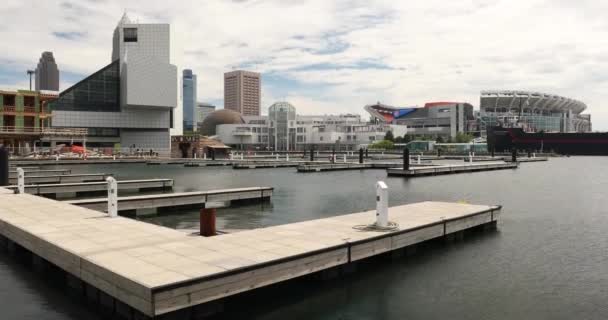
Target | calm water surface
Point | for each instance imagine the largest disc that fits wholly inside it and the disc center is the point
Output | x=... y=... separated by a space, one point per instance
x=548 y=260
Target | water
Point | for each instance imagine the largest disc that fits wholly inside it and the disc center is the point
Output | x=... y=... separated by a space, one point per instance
x=548 y=260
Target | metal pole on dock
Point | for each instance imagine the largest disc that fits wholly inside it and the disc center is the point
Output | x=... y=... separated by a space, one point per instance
x=406 y=159
x=3 y=166
x=513 y=155
x=112 y=197
x=20 y=181
x=529 y=153
x=361 y=155
x=312 y=153
x=366 y=153
x=381 y=204
x=207 y=222
x=493 y=150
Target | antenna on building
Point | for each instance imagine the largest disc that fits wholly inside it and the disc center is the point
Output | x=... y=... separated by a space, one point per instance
x=30 y=73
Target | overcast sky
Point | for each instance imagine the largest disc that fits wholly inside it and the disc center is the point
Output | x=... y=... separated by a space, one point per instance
x=336 y=56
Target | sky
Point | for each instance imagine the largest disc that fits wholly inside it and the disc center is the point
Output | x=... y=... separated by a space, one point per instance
x=330 y=57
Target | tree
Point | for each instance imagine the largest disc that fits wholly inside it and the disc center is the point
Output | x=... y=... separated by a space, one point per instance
x=399 y=140
x=384 y=144
x=439 y=139
x=463 y=138
x=389 y=136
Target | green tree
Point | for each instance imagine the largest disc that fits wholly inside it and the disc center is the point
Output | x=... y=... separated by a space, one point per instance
x=439 y=139
x=463 y=138
x=399 y=140
x=384 y=144
x=389 y=136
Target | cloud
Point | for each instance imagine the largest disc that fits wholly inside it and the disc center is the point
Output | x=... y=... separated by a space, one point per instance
x=336 y=56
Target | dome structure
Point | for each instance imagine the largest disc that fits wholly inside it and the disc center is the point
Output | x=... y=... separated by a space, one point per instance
x=223 y=116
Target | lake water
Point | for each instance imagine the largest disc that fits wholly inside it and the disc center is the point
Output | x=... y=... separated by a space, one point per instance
x=548 y=259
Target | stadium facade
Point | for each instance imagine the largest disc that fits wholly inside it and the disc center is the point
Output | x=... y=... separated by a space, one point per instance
x=532 y=111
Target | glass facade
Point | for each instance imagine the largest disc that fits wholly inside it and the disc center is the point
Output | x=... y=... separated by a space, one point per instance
x=282 y=116
x=100 y=92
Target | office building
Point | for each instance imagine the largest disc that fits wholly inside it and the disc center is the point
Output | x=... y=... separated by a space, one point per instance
x=435 y=119
x=203 y=110
x=47 y=73
x=131 y=102
x=242 y=92
x=189 y=91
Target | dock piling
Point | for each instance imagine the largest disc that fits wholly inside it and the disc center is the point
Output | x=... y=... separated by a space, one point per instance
x=419 y=161
x=406 y=159
x=361 y=155
x=112 y=197
x=513 y=155
x=20 y=181
x=207 y=222
x=4 y=166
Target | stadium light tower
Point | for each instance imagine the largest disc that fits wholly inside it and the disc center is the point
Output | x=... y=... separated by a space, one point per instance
x=30 y=73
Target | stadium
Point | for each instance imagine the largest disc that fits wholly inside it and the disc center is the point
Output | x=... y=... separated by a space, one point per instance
x=532 y=111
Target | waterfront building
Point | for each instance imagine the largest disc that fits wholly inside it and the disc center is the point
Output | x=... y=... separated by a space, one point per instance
x=533 y=111
x=445 y=119
x=242 y=92
x=203 y=110
x=47 y=73
x=284 y=130
x=189 y=91
x=131 y=103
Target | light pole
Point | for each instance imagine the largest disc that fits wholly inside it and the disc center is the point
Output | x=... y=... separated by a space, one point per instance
x=30 y=73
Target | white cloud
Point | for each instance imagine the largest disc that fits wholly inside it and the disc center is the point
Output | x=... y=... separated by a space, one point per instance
x=341 y=55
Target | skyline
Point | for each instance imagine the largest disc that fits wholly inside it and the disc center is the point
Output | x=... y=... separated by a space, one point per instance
x=351 y=54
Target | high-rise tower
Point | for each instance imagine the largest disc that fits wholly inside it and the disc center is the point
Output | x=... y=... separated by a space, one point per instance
x=47 y=73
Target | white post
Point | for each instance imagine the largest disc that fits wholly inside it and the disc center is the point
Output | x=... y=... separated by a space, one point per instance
x=345 y=158
x=195 y=155
x=56 y=157
x=287 y=157
x=204 y=155
x=20 y=180
x=114 y=157
x=231 y=156
x=381 y=204
x=470 y=158
x=112 y=197
x=419 y=160
x=534 y=155
x=241 y=156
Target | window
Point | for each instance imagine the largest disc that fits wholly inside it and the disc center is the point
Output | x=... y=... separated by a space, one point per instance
x=321 y=138
x=130 y=34
x=372 y=138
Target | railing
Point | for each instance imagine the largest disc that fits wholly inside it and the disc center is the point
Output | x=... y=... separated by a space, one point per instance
x=29 y=109
x=9 y=109
x=44 y=131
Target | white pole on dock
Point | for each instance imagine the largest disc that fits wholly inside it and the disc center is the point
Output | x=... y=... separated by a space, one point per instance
x=277 y=156
x=381 y=204
x=534 y=155
x=470 y=158
x=56 y=157
x=419 y=160
x=231 y=156
x=205 y=156
x=345 y=158
x=241 y=156
x=20 y=181
x=112 y=197
x=287 y=157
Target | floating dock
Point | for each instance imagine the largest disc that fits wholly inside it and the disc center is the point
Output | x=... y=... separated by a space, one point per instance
x=140 y=270
x=450 y=169
x=52 y=162
x=86 y=187
x=178 y=199
x=264 y=165
x=333 y=167
x=63 y=178
x=35 y=172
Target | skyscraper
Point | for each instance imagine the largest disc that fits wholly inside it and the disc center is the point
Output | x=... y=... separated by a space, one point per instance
x=47 y=73
x=189 y=91
x=242 y=92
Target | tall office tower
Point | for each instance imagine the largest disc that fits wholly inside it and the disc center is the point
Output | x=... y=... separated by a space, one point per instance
x=189 y=91
x=47 y=73
x=242 y=92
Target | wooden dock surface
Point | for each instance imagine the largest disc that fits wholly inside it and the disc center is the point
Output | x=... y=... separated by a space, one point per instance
x=156 y=270
x=450 y=169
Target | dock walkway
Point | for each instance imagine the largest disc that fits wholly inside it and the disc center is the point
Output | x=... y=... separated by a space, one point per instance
x=62 y=178
x=145 y=269
x=141 y=185
x=450 y=169
x=178 y=199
